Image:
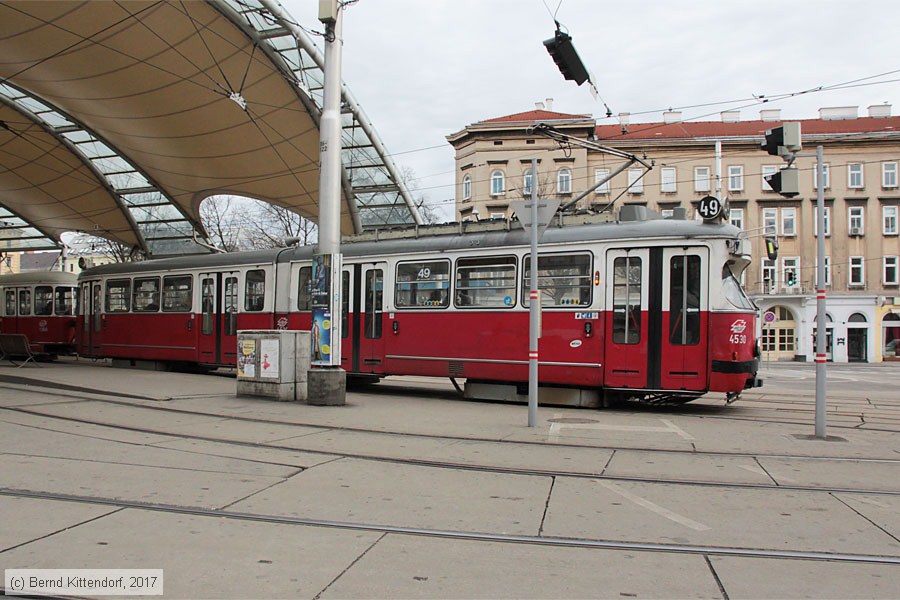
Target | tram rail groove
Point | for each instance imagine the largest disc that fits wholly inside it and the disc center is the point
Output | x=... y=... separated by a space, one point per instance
x=485 y=468
x=556 y=541
x=433 y=436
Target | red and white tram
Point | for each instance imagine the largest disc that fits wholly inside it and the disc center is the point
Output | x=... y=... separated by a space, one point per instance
x=649 y=309
x=40 y=305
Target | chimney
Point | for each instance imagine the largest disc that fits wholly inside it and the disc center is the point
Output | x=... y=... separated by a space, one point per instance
x=770 y=114
x=539 y=106
x=549 y=103
x=730 y=116
x=880 y=111
x=672 y=116
x=835 y=113
x=624 y=118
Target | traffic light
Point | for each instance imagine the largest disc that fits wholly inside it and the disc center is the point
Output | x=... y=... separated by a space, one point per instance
x=790 y=278
x=786 y=182
x=566 y=58
x=784 y=140
x=771 y=248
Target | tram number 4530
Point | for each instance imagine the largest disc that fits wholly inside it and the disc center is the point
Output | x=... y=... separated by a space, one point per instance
x=737 y=338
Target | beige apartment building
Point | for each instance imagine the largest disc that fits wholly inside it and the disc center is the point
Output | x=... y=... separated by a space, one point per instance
x=694 y=159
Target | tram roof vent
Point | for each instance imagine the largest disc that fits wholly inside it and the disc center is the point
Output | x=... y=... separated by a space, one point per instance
x=636 y=212
x=679 y=213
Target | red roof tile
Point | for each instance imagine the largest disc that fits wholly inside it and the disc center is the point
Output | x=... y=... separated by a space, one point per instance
x=704 y=129
x=536 y=115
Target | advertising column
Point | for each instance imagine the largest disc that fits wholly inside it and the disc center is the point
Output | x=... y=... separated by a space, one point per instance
x=325 y=334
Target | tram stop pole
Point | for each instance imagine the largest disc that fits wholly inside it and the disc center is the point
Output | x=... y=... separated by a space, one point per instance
x=821 y=318
x=535 y=216
x=327 y=384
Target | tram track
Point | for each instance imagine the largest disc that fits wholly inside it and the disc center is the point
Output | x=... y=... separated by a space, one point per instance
x=555 y=541
x=83 y=395
x=493 y=469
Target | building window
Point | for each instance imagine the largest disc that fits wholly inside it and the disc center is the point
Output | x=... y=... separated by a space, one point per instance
x=467 y=187
x=789 y=221
x=769 y=280
x=827 y=271
x=770 y=221
x=889 y=175
x=701 y=179
x=766 y=171
x=889 y=219
x=667 y=180
x=857 y=271
x=599 y=175
x=826 y=170
x=564 y=181
x=768 y=341
x=786 y=339
x=736 y=217
x=526 y=182
x=635 y=181
x=890 y=270
x=855 y=175
x=856 y=221
x=735 y=178
x=827 y=220
x=498 y=183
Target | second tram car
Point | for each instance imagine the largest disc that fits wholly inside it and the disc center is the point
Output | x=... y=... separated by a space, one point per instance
x=40 y=305
x=645 y=309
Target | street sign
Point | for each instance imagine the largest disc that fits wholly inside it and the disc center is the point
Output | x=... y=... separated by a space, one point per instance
x=710 y=208
x=546 y=209
x=769 y=317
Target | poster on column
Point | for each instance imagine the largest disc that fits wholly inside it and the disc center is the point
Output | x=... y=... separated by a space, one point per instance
x=320 y=299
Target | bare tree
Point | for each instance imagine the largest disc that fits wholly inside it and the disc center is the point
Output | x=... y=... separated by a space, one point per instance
x=429 y=211
x=268 y=226
x=220 y=220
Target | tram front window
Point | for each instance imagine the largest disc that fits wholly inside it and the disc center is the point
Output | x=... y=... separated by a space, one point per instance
x=733 y=291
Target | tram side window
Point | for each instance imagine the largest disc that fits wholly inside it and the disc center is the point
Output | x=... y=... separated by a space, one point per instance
x=43 y=300
x=255 y=290
x=627 y=300
x=177 y=295
x=563 y=279
x=345 y=304
x=303 y=289
x=231 y=305
x=684 y=300
x=423 y=284
x=65 y=300
x=10 y=303
x=118 y=295
x=486 y=282
x=208 y=302
x=146 y=295
x=374 y=304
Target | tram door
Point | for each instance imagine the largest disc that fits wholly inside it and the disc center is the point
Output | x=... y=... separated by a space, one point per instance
x=218 y=317
x=367 y=325
x=626 y=322
x=91 y=317
x=685 y=318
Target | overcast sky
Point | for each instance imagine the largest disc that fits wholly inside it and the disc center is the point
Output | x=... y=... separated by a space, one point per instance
x=423 y=69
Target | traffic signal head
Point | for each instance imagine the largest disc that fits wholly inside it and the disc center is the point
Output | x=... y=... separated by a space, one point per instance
x=784 y=140
x=790 y=277
x=786 y=182
x=566 y=58
x=771 y=248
